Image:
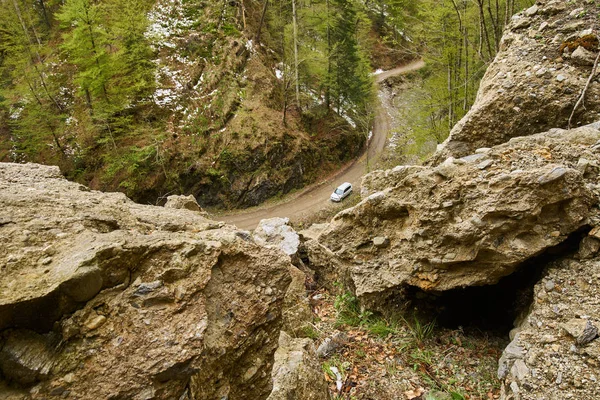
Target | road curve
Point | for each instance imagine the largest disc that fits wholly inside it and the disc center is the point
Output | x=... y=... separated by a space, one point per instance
x=316 y=197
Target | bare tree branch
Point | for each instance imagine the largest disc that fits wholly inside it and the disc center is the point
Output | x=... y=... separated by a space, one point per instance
x=582 y=95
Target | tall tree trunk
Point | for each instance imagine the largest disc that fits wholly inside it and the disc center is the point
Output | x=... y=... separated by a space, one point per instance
x=94 y=51
x=451 y=96
x=284 y=86
x=296 y=75
x=327 y=85
x=484 y=31
x=466 y=80
x=45 y=13
x=39 y=58
x=495 y=22
x=262 y=21
x=243 y=9
x=88 y=99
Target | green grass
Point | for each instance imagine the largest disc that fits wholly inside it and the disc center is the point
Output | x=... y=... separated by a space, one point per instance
x=349 y=313
x=420 y=331
x=308 y=331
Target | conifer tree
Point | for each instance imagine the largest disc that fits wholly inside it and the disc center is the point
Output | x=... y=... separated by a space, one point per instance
x=85 y=45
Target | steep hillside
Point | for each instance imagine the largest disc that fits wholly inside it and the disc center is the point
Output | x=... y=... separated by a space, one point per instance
x=233 y=102
x=542 y=78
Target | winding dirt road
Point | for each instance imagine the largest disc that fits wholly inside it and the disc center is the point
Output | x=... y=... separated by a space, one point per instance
x=316 y=197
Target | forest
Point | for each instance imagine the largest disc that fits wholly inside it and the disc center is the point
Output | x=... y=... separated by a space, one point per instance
x=234 y=101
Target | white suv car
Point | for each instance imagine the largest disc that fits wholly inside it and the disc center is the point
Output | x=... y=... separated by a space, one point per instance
x=341 y=192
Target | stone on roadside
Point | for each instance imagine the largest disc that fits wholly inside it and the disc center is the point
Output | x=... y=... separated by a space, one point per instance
x=183 y=203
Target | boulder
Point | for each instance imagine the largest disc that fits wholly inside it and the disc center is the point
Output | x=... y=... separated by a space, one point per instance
x=184 y=203
x=297 y=373
x=275 y=232
x=467 y=222
x=534 y=81
x=104 y=298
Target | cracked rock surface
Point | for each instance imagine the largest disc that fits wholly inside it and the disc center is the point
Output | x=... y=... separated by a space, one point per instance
x=556 y=352
x=104 y=298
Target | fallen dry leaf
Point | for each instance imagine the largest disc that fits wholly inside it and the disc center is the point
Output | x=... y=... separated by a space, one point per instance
x=413 y=394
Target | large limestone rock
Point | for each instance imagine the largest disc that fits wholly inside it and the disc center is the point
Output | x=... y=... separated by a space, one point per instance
x=532 y=86
x=468 y=221
x=104 y=298
x=275 y=232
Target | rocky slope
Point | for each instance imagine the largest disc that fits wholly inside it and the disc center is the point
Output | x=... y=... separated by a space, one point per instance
x=545 y=60
x=104 y=298
x=556 y=353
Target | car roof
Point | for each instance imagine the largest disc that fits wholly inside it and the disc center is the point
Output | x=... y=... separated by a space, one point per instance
x=344 y=185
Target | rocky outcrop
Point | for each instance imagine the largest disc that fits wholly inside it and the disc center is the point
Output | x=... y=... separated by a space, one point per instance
x=556 y=352
x=275 y=233
x=104 y=298
x=469 y=221
x=533 y=84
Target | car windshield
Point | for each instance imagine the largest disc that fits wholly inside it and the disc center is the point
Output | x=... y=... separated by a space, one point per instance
x=338 y=191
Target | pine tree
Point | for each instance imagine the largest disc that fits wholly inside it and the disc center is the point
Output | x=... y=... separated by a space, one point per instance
x=29 y=91
x=132 y=64
x=86 y=46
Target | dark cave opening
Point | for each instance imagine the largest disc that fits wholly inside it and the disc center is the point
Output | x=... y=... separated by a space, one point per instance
x=493 y=308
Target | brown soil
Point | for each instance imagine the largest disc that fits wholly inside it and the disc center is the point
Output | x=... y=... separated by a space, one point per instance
x=406 y=359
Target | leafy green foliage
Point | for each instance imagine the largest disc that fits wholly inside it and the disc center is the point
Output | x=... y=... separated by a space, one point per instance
x=334 y=68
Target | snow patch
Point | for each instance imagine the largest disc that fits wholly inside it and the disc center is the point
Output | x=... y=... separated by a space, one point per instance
x=348 y=119
x=15 y=112
x=167 y=19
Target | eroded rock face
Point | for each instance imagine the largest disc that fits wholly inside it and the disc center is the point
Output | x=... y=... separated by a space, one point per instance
x=556 y=352
x=104 y=298
x=468 y=221
x=297 y=373
x=534 y=82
